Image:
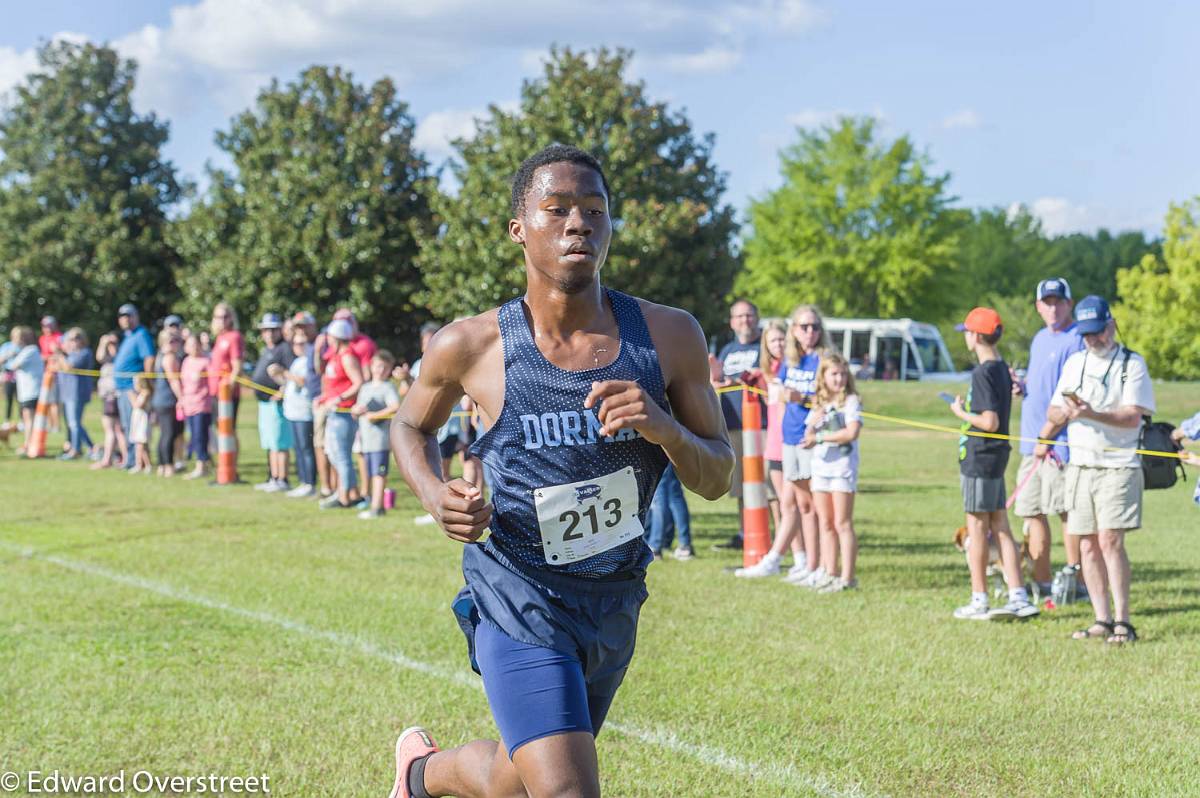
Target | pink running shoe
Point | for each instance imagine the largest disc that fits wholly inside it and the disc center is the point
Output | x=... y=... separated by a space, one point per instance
x=412 y=744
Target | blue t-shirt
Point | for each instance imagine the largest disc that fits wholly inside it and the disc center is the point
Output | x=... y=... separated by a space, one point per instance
x=78 y=387
x=136 y=346
x=1047 y=354
x=736 y=359
x=803 y=378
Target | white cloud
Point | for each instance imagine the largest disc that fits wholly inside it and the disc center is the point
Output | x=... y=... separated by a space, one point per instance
x=16 y=64
x=437 y=130
x=824 y=117
x=714 y=59
x=966 y=119
x=1061 y=216
x=209 y=47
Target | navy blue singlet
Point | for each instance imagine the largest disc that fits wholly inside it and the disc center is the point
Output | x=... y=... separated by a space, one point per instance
x=544 y=437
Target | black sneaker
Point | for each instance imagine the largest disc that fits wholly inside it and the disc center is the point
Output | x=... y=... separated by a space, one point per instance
x=734 y=543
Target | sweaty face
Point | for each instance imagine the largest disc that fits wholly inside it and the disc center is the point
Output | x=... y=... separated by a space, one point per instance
x=565 y=227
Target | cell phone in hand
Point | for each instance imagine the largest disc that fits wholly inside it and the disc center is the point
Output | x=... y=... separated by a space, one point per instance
x=1074 y=397
x=945 y=397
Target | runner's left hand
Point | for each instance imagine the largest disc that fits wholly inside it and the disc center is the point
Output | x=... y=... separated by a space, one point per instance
x=625 y=405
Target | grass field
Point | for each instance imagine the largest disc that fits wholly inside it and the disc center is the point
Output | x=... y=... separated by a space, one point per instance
x=183 y=629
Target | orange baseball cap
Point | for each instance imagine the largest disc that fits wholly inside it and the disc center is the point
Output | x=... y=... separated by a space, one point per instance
x=984 y=321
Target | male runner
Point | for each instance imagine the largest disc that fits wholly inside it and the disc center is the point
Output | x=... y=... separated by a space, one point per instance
x=573 y=381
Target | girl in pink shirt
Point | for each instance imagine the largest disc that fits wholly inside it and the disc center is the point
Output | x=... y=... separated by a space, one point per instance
x=196 y=403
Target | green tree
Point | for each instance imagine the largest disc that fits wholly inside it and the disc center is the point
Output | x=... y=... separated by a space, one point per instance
x=672 y=236
x=860 y=227
x=1001 y=251
x=1160 y=312
x=1090 y=262
x=321 y=209
x=1021 y=323
x=84 y=193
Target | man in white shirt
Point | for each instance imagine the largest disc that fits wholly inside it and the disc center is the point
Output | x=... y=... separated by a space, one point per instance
x=1102 y=395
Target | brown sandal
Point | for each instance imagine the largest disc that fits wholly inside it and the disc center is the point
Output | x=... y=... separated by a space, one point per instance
x=1090 y=633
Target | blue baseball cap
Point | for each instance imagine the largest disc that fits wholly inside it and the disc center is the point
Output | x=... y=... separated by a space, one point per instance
x=1092 y=315
x=270 y=321
x=1055 y=286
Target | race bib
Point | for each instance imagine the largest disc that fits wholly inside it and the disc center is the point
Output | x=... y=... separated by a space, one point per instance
x=581 y=519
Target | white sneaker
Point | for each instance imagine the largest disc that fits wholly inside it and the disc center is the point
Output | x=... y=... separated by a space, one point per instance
x=268 y=485
x=816 y=578
x=370 y=515
x=423 y=520
x=837 y=585
x=301 y=492
x=1014 y=610
x=823 y=582
x=684 y=553
x=277 y=486
x=767 y=566
x=799 y=567
x=796 y=578
x=975 y=611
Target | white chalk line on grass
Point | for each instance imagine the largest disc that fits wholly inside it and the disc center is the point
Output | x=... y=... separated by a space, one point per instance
x=786 y=775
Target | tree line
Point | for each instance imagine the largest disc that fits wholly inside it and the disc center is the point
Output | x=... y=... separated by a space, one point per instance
x=327 y=203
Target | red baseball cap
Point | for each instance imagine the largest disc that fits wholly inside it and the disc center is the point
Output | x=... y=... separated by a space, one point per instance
x=984 y=321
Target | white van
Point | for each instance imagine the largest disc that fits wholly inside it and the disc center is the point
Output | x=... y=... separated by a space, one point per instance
x=893 y=349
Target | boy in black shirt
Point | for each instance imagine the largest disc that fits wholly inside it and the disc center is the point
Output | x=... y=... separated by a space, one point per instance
x=982 y=461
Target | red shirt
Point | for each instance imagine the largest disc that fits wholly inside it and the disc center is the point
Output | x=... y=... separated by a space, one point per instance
x=228 y=347
x=336 y=381
x=362 y=346
x=49 y=343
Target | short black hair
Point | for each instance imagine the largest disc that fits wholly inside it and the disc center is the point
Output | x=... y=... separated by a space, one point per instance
x=555 y=153
x=992 y=338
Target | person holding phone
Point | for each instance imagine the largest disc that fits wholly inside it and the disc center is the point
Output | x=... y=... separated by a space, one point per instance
x=982 y=461
x=1101 y=398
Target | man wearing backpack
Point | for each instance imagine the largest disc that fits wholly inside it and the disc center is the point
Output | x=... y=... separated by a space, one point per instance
x=1102 y=396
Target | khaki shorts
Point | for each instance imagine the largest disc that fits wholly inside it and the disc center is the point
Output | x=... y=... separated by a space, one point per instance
x=797 y=463
x=1102 y=498
x=1044 y=493
x=320 y=413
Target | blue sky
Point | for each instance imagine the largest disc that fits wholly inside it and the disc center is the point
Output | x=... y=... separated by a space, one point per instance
x=1085 y=112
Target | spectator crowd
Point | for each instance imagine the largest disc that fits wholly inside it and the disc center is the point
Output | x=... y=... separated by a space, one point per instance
x=324 y=395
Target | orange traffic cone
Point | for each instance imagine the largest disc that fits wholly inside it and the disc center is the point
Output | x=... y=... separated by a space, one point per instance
x=756 y=516
x=226 y=441
x=37 y=436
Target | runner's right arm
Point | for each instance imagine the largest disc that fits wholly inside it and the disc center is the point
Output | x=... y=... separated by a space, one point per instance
x=457 y=505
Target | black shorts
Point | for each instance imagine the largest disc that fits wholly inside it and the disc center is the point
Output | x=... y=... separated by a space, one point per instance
x=448 y=447
x=29 y=405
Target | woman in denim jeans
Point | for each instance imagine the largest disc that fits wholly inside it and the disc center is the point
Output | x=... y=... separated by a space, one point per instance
x=75 y=390
x=343 y=378
x=668 y=513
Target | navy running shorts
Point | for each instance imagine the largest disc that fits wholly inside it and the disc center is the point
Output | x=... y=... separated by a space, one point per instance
x=552 y=649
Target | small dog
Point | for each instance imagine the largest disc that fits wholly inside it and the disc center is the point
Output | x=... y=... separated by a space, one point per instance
x=995 y=569
x=7 y=430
